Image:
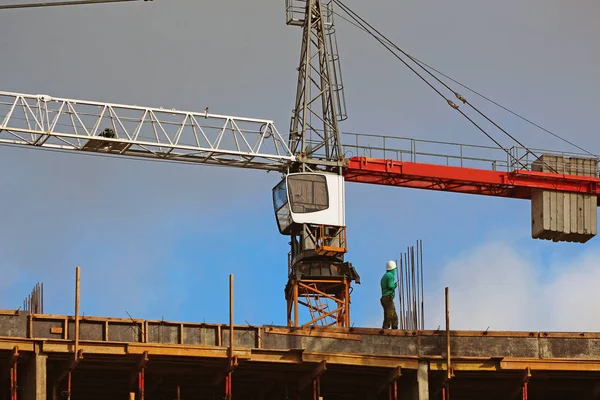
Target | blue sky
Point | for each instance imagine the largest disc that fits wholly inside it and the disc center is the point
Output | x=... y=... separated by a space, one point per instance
x=157 y=240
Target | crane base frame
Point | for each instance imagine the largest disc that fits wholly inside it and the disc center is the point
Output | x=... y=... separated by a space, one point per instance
x=317 y=295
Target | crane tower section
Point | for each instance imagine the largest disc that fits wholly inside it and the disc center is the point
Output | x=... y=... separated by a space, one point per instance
x=309 y=201
x=319 y=103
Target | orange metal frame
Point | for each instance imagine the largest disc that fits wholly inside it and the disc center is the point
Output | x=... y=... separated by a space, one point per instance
x=517 y=184
x=321 y=241
x=323 y=293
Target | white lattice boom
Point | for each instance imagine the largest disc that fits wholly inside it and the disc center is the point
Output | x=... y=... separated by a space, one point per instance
x=167 y=134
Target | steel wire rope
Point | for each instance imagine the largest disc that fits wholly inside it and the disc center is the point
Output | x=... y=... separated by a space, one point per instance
x=359 y=24
x=450 y=102
x=61 y=3
x=418 y=61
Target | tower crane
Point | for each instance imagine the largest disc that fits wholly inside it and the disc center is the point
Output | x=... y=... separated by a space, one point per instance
x=314 y=160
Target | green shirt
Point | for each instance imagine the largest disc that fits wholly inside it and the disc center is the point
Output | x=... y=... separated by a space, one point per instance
x=388 y=285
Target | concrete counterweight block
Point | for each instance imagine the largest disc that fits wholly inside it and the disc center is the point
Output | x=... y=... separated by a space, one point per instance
x=560 y=216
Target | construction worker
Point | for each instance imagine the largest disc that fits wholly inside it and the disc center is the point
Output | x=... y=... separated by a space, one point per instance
x=388 y=291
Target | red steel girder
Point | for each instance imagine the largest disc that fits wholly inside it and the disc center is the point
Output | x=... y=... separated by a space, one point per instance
x=517 y=184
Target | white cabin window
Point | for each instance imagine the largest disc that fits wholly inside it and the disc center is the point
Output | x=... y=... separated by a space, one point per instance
x=280 y=195
x=308 y=193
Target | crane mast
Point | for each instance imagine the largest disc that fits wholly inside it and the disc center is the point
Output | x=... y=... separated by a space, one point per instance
x=318 y=276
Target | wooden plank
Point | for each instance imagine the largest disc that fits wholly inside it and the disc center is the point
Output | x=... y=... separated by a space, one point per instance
x=9 y=312
x=23 y=345
x=314 y=333
x=361 y=360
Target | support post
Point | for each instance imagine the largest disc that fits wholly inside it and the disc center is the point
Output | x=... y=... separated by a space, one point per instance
x=230 y=316
x=448 y=360
x=232 y=358
x=525 y=388
x=393 y=391
x=141 y=376
x=295 y=303
x=13 y=373
x=347 y=297
x=446 y=389
x=141 y=383
x=393 y=383
x=423 y=380
x=69 y=380
x=77 y=288
x=313 y=378
x=77 y=353
x=317 y=388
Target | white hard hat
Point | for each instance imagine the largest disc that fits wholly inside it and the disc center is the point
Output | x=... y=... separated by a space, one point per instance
x=390 y=265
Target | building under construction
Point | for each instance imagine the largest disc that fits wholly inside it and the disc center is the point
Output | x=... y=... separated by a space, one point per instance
x=45 y=356
x=42 y=357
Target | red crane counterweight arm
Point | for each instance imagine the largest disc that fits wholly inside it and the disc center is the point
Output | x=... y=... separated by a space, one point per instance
x=516 y=184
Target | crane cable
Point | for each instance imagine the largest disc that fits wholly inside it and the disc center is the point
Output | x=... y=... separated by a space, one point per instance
x=358 y=19
x=417 y=61
x=507 y=109
x=61 y=3
x=360 y=23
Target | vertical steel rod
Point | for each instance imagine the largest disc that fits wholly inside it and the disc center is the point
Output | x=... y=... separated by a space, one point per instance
x=77 y=288
x=231 y=316
x=347 y=302
x=406 y=299
x=228 y=394
x=398 y=268
x=141 y=383
x=393 y=390
x=448 y=361
x=13 y=380
x=69 y=384
x=295 y=303
x=414 y=283
x=422 y=287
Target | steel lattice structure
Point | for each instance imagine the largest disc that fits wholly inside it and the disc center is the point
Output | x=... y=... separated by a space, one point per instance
x=126 y=130
x=314 y=131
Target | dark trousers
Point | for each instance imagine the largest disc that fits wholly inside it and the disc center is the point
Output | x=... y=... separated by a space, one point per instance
x=390 y=318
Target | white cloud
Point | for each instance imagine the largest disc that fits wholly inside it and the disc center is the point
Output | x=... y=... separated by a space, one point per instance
x=497 y=286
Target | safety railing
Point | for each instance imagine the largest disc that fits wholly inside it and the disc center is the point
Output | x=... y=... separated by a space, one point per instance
x=458 y=154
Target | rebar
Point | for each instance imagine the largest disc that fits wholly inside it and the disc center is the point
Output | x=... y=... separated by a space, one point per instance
x=411 y=286
x=34 y=302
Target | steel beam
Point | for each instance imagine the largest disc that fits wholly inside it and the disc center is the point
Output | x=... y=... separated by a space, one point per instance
x=515 y=184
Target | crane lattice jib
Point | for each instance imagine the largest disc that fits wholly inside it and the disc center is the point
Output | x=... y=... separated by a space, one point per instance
x=200 y=137
x=156 y=133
